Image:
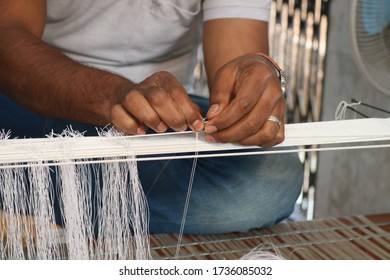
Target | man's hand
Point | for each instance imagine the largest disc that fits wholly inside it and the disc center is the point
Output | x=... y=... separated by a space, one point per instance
x=159 y=102
x=246 y=92
x=56 y=86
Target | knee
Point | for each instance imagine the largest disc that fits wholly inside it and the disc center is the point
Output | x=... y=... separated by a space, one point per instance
x=273 y=197
x=264 y=197
x=235 y=195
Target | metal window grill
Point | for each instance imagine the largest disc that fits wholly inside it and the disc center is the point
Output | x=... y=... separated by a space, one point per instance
x=298 y=39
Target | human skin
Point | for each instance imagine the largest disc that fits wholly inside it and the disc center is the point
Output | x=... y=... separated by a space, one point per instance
x=244 y=87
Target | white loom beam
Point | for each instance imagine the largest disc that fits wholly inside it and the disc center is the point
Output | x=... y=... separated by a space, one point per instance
x=57 y=149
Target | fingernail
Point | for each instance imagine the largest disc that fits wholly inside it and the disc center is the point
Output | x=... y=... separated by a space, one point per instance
x=209 y=138
x=211 y=129
x=162 y=127
x=213 y=109
x=183 y=128
x=141 y=131
x=197 y=125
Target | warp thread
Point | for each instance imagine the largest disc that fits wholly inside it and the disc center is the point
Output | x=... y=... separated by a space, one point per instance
x=27 y=228
x=27 y=190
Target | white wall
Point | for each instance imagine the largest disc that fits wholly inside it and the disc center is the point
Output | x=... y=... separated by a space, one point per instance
x=349 y=182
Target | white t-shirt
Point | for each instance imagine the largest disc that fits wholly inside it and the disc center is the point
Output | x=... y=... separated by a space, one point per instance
x=136 y=38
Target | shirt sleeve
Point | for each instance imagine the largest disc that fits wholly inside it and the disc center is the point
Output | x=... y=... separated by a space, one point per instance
x=249 y=9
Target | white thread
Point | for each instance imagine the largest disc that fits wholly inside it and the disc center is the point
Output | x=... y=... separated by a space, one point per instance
x=342 y=109
x=187 y=202
x=41 y=201
x=258 y=253
x=102 y=149
x=121 y=202
x=117 y=210
x=74 y=189
x=14 y=204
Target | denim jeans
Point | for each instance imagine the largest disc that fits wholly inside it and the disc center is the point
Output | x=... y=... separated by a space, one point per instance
x=229 y=194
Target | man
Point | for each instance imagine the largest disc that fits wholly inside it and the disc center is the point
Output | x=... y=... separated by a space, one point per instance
x=128 y=64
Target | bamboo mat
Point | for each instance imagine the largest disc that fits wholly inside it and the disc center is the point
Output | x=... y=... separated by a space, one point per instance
x=352 y=238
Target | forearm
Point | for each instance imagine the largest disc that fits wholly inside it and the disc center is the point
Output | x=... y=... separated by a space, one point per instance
x=227 y=39
x=46 y=81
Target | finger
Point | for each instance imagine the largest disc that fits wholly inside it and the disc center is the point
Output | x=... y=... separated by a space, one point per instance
x=221 y=93
x=139 y=107
x=270 y=135
x=124 y=122
x=252 y=123
x=272 y=132
x=167 y=109
x=189 y=109
x=249 y=90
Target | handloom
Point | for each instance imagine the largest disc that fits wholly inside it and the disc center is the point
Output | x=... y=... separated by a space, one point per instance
x=350 y=238
x=27 y=227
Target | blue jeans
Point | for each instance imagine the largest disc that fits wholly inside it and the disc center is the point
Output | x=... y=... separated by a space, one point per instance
x=229 y=193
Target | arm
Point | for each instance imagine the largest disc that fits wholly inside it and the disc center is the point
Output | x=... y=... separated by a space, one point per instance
x=46 y=81
x=244 y=87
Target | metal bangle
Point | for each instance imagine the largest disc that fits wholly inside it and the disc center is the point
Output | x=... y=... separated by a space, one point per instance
x=279 y=71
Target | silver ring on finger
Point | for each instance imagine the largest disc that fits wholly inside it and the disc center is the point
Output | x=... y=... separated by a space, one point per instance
x=275 y=120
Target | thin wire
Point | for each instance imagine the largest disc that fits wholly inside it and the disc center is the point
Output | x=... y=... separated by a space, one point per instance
x=341 y=108
x=17 y=151
x=357 y=112
x=257 y=235
x=186 y=204
x=370 y=106
x=289 y=245
x=197 y=155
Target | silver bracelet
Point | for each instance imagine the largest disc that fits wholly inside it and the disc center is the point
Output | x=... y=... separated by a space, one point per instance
x=279 y=71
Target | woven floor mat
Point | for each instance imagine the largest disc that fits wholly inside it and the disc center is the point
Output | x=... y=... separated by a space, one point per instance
x=351 y=238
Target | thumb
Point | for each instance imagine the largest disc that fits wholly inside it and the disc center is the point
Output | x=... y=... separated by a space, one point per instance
x=221 y=94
